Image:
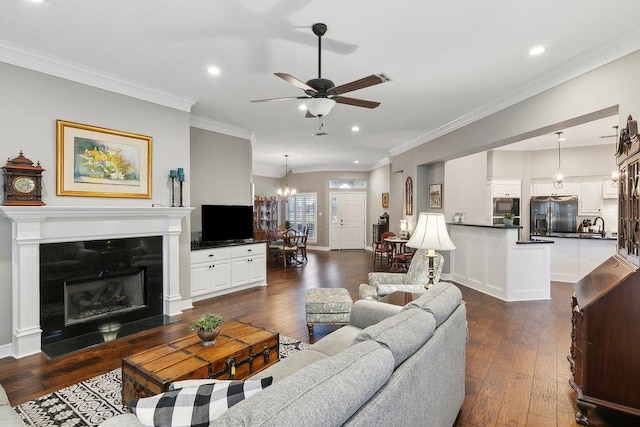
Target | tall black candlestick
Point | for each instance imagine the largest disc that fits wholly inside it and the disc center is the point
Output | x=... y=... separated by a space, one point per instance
x=173 y=186
x=181 y=195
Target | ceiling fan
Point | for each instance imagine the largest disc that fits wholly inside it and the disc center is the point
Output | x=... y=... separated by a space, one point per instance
x=323 y=93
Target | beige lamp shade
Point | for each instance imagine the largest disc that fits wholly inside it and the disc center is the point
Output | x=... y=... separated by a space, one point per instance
x=431 y=233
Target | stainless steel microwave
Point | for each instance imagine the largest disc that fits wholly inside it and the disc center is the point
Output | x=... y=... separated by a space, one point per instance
x=503 y=205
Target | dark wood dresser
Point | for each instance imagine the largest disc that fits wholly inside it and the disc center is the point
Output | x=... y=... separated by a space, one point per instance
x=605 y=339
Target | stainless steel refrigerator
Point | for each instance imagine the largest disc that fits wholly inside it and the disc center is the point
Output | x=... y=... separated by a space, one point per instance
x=554 y=215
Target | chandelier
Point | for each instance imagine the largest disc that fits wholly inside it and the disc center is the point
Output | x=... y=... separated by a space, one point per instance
x=558 y=177
x=286 y=192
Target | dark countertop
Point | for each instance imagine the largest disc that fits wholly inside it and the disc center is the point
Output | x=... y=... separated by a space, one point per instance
x=533 y=242
x=197 y=245
x=582 y=236
x=486 y=225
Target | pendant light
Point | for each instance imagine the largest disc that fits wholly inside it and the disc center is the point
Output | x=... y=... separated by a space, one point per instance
x=615 y=175
x=558 y=177
x=286 y=192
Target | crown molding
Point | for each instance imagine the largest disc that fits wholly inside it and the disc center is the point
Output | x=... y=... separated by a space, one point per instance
x=222 y=127
x=575 y=67
x=48 y=64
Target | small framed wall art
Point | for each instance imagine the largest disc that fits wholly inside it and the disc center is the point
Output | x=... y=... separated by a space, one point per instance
x=385 y=200
x=408 y=197
x=435 y=196
x=99 y=162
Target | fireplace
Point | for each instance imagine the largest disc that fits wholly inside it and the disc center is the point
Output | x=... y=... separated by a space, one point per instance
x=107 y=243
x=85 y=285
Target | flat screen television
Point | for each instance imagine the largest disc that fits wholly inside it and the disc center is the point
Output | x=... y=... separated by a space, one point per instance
x=226 y=223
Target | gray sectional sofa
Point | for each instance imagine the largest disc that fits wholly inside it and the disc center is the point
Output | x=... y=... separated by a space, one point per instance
x=8 y=417
x=391 y=365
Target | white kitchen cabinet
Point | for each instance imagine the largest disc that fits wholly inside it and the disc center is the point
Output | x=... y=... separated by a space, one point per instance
x=609 y=189
x=590 y=198
x=546 y=188
x=505 y=188
x=217 y=271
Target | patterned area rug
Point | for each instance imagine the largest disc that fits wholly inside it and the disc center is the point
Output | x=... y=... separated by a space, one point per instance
x=90 y=402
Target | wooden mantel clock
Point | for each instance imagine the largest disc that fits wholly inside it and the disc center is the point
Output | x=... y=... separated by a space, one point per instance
x=22 y=182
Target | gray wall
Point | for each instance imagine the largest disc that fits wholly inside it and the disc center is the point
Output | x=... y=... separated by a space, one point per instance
x=29 y=106
x=221 y=172
x=378 y=183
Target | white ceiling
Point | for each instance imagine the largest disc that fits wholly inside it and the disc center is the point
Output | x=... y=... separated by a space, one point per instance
x=596 y=132
x=449 y=61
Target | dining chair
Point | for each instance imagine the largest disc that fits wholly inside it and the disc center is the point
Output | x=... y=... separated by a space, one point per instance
x=274 y=244
x=382 y=250
x=290 y=247
x=302 y=244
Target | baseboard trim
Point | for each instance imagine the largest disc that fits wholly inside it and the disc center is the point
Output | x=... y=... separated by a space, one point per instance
x=6 y=350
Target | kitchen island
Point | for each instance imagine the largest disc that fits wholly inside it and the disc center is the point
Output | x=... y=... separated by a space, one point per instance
x=491 y=259
x=573 y=257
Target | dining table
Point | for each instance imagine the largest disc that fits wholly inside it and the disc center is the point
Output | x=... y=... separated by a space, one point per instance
x=398 y=247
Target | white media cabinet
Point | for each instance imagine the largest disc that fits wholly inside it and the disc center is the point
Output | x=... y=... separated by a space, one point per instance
x=224 y=269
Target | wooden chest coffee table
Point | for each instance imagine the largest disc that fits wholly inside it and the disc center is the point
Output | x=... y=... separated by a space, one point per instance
x=241 y=350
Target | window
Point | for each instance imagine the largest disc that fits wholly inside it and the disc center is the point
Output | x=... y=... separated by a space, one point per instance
x=301 y=211
x=347 y=184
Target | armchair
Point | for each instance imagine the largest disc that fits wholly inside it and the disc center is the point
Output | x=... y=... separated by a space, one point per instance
x=382 y=284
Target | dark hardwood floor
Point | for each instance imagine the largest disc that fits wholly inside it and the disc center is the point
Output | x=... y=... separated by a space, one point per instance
x=517 y=372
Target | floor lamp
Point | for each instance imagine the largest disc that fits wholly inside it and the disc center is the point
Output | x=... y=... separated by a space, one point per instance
x=431 y=234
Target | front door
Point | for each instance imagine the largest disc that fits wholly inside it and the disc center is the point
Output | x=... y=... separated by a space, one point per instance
x=347 y=220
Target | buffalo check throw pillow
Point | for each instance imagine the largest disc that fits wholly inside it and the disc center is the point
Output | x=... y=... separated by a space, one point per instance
x=195 y=406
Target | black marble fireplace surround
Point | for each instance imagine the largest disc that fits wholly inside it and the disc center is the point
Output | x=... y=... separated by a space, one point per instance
x=98 y=290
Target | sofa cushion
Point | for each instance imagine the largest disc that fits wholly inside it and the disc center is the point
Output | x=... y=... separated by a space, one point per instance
x=195 y=406
x=290 y=365
x=325 y=393
x=402 y=334
x=439 y=300
x=336 y=341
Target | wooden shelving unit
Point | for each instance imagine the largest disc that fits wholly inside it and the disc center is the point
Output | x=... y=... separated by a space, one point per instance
x=265 y=216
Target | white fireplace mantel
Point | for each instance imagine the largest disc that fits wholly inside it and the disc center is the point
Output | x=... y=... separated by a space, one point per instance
x=33 y=225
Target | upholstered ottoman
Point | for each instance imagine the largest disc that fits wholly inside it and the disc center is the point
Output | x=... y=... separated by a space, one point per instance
x=329 y=306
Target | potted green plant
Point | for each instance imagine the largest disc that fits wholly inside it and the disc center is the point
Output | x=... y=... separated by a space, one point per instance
x=207 y=327
x=508 y=219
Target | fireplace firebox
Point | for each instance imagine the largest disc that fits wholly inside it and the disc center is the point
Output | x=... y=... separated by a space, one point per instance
x=86 y=299
x=96 y=290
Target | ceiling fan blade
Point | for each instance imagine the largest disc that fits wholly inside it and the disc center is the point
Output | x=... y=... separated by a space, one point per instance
x=287 y=98
x=355 y=102
x=371 y=80
x=297 y=83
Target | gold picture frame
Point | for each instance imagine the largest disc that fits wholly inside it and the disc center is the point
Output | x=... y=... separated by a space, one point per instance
x=435 y=196
x=99 y=162
x=385 y=200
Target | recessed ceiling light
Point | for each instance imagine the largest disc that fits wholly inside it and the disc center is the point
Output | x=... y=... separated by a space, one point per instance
x=355 y=129
x=213 y=70
x=536 y=50
x=356 y=161
x=37 y=1
x=302 y=107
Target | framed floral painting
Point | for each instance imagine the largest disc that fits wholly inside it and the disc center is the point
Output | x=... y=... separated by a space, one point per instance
x=99 y=162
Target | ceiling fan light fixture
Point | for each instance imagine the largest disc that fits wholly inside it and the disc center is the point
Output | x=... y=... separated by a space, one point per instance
x=321 y=106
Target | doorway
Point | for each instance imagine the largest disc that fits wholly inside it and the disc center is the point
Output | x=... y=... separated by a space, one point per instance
x=347 y=222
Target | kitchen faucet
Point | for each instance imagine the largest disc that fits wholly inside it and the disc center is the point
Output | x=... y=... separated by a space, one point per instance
x=594 y=224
